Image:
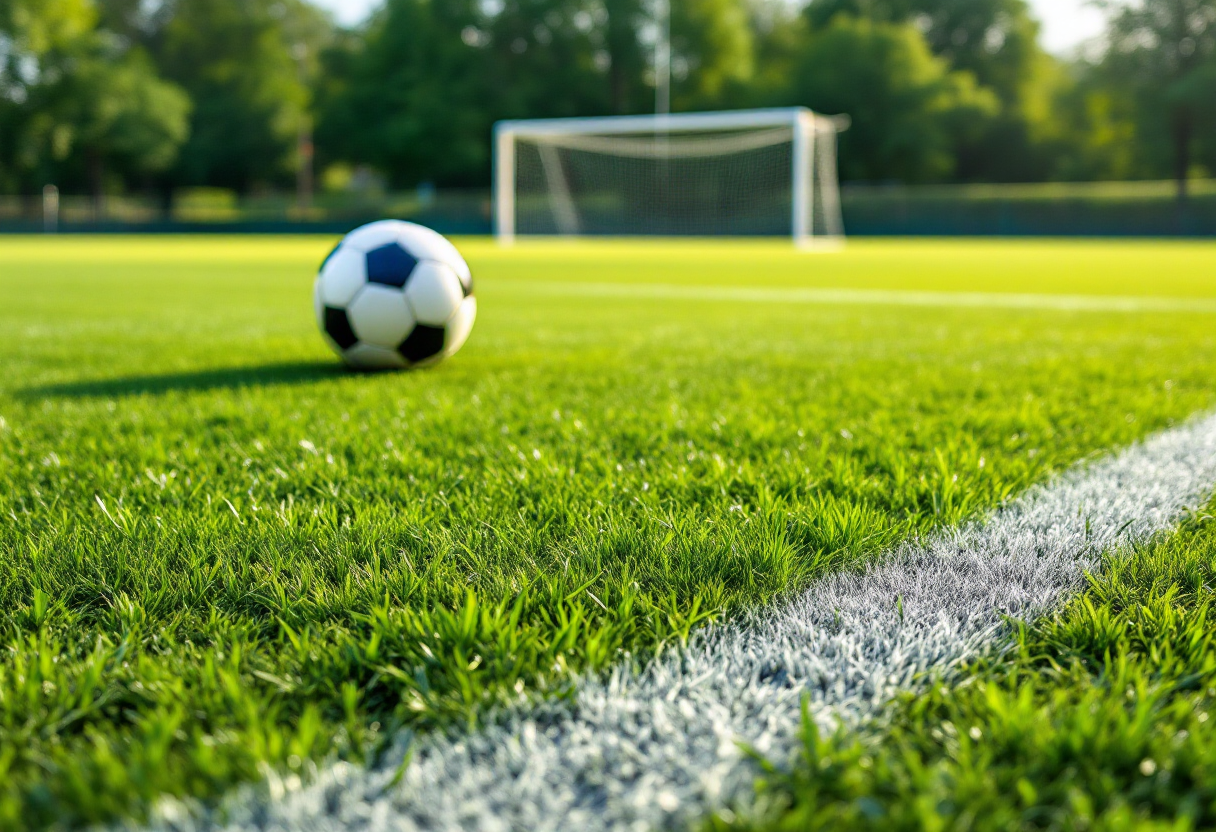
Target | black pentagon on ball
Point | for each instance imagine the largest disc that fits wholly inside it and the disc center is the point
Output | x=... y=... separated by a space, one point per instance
x=390 y=265
x=423 y=343
x=337 y=327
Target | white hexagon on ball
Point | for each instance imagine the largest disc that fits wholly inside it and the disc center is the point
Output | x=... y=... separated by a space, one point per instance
x=434 y=293
x=380 y=316
x=342 y=276
x=373 y=235
x=394 y=294
x=428 y=245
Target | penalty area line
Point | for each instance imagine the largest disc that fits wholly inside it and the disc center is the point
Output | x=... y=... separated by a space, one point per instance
x=873 y=297
x=660 y=747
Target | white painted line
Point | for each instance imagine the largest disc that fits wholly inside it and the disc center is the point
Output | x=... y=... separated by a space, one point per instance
x=658 y=748
x=870 y=297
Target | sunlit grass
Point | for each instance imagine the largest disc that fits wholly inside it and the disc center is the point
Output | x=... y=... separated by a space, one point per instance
x=220 y=551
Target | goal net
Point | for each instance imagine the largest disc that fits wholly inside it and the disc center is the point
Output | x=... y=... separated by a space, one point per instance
x=745 y=173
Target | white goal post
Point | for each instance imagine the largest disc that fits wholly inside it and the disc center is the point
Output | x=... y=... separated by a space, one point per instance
x=742 y=173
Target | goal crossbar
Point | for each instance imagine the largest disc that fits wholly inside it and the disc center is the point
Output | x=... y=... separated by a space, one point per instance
x=807 y=130
x=674 y=122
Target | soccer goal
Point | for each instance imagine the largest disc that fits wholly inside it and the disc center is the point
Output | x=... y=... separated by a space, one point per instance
x=743 y=173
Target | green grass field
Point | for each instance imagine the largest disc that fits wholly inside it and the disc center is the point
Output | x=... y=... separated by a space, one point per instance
x=221 y=552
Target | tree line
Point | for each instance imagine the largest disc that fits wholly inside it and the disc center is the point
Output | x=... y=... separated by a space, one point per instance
x=155 y=95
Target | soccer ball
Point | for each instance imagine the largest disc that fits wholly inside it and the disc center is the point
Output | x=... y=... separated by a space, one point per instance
x=393 y=295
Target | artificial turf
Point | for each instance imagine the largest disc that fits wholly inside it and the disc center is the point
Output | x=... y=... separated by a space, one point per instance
x=221 y=552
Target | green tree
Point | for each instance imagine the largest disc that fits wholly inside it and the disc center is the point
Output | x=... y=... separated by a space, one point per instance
x=34 y=34
x=909 y=111
x=713 y=48
x=1097 y=129
x=131 y=20
x=547 y=58
x=245 y=65
x=417 y=95
x=997 y=41
x=81 y=100
x=1164 y=52
x=39 y=27
x=118 y=116
x=409 y=96
x=627 y=56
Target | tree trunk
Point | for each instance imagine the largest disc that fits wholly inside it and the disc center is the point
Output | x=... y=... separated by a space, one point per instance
x=618 y=89
x=620 y=38
x=1182 y=128
x=165 y=192
x=97 y=179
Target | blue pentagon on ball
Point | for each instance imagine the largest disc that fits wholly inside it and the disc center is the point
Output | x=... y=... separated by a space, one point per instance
x=390 y=265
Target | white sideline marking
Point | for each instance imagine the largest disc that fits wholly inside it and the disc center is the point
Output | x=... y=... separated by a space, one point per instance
x=658 y=748
x=873 y=297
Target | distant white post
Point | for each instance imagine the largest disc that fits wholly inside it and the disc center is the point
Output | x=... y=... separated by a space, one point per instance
x=305 y=149
x=827 y=180
x=50 y=209
x=662 y=58
x=803 y=177
x=504 y=184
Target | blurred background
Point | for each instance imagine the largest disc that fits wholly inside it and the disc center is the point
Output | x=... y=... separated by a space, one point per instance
x=968 y=116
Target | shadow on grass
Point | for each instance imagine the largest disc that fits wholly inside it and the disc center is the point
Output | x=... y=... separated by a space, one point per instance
x=232 y=378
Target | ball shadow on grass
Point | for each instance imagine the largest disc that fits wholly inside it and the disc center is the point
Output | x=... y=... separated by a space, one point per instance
x=226 y=378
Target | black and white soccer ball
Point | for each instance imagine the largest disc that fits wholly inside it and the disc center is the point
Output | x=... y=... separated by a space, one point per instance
x=394 y=295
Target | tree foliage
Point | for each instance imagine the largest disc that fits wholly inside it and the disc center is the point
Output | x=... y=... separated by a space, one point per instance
x=118 y=114
x=409 y=98
x=712 y=48
x=997 y=42
x=417 y=94
x=909 y=110
x=78 y=101
x=1164 y=53
x=103 y=94
x=241 y=62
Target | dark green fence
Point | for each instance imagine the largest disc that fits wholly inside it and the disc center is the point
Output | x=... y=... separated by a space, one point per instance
x=1108 y=209
x=1147 y=209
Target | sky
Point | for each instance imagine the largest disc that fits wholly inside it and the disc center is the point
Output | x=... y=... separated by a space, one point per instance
x=1066 y=23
